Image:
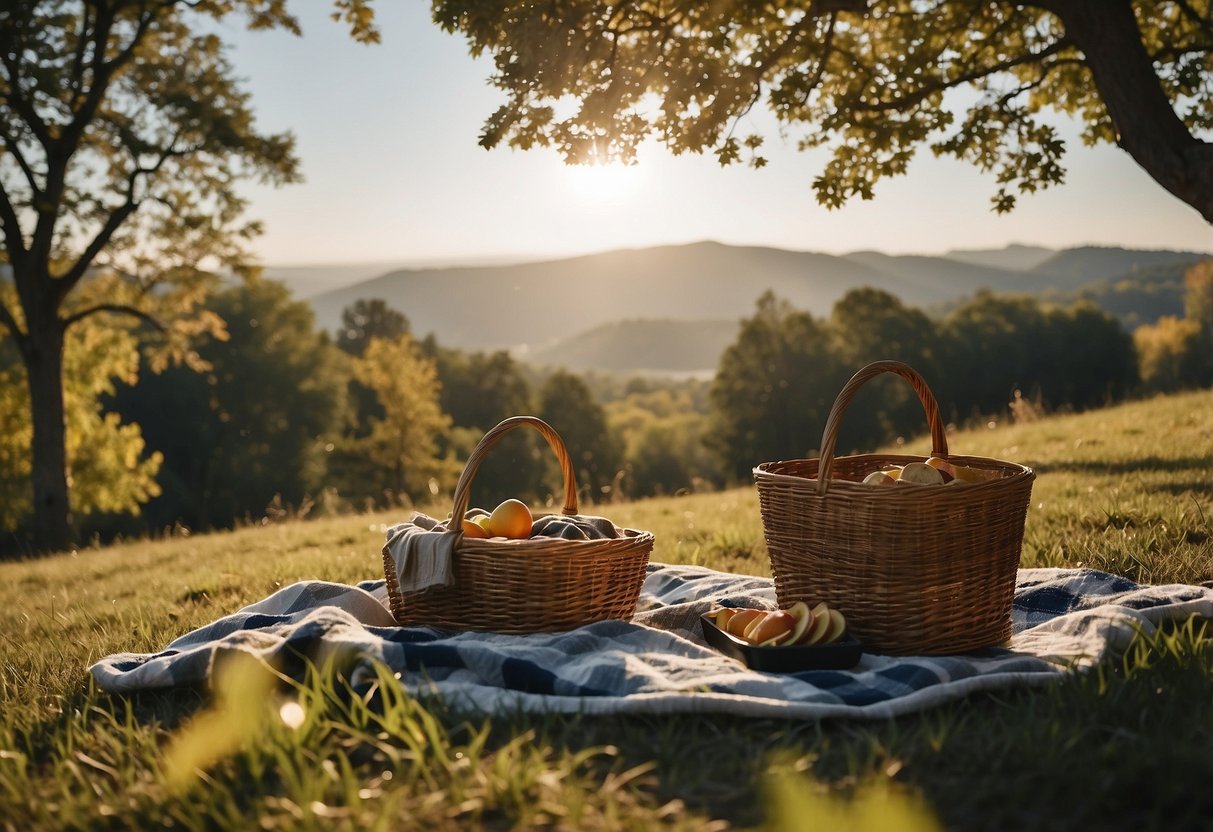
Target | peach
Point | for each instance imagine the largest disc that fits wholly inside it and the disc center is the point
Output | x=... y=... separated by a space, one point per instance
x=511 y=519
x=740 y=619
x=472 y=529
x=771 y=629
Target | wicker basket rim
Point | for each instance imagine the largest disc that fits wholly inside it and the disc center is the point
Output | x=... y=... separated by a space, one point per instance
x=762 y=473
x=981 y=462
x=533 y=546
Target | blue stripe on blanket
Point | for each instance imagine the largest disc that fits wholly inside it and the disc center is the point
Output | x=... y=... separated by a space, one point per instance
x=658 y=663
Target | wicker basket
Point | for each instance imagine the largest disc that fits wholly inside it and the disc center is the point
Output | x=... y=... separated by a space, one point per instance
x=528 y=586
x=916 y=569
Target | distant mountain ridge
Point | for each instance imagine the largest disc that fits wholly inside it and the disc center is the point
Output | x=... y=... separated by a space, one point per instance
x=533 y=306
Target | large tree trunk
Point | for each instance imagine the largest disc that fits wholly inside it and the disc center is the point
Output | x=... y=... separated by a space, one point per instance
x=44 y=368
x=1146 y=124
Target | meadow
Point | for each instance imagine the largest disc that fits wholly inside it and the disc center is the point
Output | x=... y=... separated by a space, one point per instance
x=1128 y=489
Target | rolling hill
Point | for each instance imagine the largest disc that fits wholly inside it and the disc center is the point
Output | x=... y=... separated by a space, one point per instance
x=563 y=309
x=641 y=346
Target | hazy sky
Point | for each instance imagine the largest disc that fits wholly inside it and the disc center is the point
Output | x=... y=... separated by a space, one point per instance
x=387 y=135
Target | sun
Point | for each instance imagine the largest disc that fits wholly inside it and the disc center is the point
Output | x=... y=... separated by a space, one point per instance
x=603 y=182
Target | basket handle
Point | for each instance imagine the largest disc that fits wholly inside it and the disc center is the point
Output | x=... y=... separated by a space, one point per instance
x=939 y=438
x=464 y=486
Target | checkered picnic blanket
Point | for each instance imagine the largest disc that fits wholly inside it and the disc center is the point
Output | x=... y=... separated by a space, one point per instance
x=1064 y=620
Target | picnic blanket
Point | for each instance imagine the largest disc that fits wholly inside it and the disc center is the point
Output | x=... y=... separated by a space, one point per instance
x=1064 y=620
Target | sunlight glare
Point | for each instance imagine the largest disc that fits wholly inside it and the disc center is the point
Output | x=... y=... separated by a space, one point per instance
x=598 y=182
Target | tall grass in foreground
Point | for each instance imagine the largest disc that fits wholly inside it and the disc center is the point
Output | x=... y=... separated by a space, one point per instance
x=1129 y=490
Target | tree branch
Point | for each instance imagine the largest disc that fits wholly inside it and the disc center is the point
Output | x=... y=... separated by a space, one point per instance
x=1203 y=22
x=118 y=309
x=13 y=239
x=15 y=149
x=20 y=104
x=115 y=220
x=10 y=323
x=905 y=102
x=78 y=58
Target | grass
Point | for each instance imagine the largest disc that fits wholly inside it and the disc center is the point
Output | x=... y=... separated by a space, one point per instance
x=1128 y=489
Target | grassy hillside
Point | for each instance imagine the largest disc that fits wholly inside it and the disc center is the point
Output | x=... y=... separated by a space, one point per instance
x=1128 y=489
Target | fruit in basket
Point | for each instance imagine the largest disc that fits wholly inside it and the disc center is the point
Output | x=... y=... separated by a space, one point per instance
x=879 y=478
x=473 y=529
x=962 y=473
x=920 y=473
x=511 y=519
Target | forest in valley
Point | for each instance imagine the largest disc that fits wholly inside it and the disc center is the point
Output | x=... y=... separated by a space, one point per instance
x=275 y=417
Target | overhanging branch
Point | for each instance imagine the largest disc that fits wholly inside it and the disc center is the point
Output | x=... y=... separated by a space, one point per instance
x=908 y=101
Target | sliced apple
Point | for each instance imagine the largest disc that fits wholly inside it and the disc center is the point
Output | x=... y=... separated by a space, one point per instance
x=879 y=478
x=721 y=617
x=837 y=626
x=893 y=472
x=741 y=619
x=821 y=622
x=804 y=619
x=772 y=628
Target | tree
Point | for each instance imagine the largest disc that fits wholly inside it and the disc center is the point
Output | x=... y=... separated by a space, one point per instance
x=1177 y=353
x=123 y=132
x=367 y=319
x=478 y=391
x=565 y=402
x=254 y=428
x=360 y=322
x=869 y=325
x=109 y=471
x=1168 y=354
x=402 y=447
x=774 y=388
x=868 y=78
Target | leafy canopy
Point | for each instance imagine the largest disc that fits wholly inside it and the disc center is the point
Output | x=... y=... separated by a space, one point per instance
x=871 y=81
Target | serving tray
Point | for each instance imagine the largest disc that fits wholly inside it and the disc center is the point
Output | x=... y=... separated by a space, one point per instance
x=837 y=655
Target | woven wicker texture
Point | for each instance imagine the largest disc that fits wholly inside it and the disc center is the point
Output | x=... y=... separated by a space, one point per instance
x=528 y=586
x=916 y=569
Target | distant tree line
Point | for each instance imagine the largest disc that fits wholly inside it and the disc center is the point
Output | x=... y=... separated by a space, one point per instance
x=277 y=417
x=777 y=382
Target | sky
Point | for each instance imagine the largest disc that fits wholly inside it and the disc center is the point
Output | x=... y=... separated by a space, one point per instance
x=393 y=174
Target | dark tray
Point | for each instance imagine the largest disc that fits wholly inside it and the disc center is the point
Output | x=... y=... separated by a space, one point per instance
x=837 y=655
